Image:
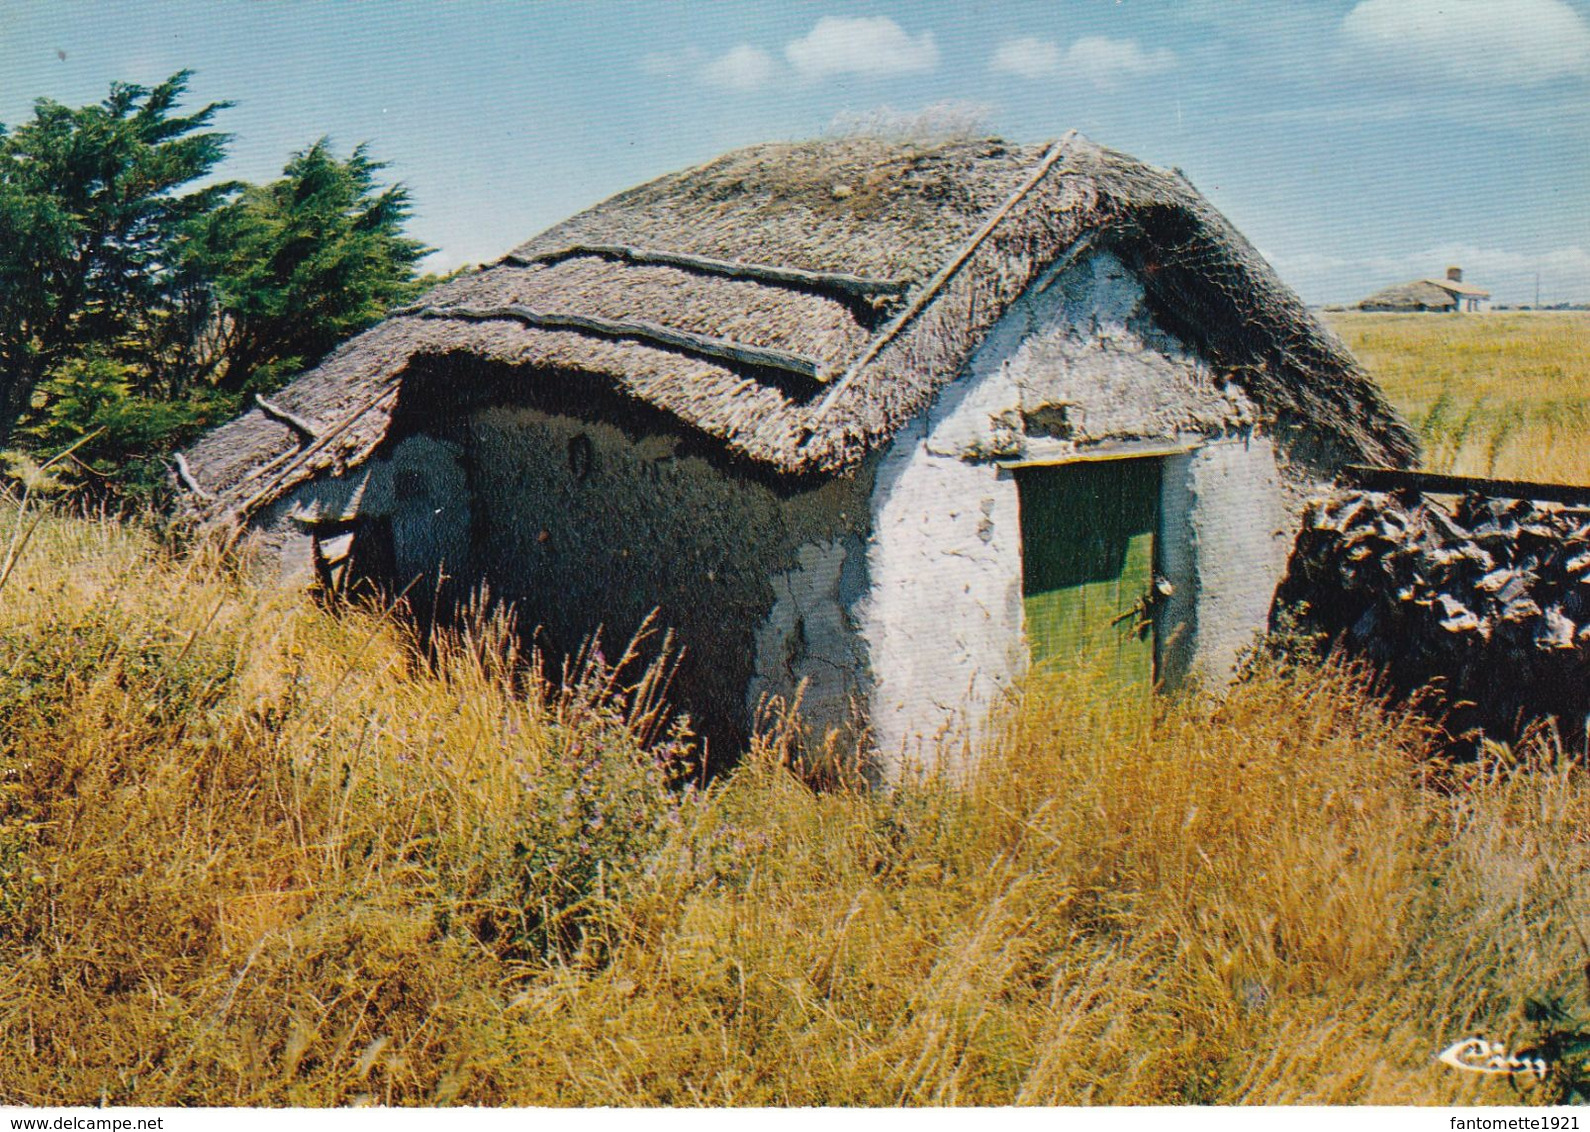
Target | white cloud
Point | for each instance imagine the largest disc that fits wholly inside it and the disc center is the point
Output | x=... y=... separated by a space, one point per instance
x=1097 y=59
x=1029 y=57
x=1518 y=43
x=837 y=45
x=740 y=68
x=1103 y=60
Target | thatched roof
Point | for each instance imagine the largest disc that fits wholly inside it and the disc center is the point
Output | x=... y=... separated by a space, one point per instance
x=1458 y=287
x=799 y=303
x=1420 y=295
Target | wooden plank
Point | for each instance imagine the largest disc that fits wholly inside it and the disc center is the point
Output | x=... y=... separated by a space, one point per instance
x=1112 y=452
x=334 y=550
x=324 y=525
x=1434 y=483
x=703 y=345
x=858 y=286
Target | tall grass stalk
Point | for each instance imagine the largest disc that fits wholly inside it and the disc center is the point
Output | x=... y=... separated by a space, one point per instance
x=1503 y=393
x=252 y=852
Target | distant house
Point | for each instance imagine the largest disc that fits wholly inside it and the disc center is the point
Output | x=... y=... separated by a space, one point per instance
x=873 y=424
x=1450 y=295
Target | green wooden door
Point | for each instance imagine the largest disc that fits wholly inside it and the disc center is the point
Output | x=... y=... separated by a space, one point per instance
x=1087 y=537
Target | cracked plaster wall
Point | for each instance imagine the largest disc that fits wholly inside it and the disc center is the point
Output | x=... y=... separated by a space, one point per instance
x=1076 y=367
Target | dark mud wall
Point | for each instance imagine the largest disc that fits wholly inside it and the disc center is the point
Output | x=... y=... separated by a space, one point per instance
x=581 y=524
x=1489 y=598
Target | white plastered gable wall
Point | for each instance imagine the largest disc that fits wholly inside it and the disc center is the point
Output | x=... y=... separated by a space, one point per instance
x=1077 y=357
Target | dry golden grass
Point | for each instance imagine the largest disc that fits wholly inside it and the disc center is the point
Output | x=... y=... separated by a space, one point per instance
x=1503 y=393
x=254 y=853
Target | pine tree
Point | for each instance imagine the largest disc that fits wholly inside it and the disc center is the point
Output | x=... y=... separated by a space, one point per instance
x=298 y=265
x=91 y=204
x=142 y=309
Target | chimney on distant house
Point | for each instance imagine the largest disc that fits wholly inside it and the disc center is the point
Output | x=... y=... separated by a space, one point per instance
x=1455 y=274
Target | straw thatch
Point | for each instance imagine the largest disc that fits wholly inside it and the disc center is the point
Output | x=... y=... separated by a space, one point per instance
x=1420 y=295
x=1460 y=289
x=1425 y=295
x=798 y=303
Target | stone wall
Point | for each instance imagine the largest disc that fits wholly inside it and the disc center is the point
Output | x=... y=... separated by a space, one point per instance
x=1490 y=598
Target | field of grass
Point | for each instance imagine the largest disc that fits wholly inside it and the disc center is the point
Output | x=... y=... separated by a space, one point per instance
x=255 y=853
x=1503 y=394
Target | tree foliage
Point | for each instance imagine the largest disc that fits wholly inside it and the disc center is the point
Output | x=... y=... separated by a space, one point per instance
x=91 y=203
x=141 y=299
x=296 y=266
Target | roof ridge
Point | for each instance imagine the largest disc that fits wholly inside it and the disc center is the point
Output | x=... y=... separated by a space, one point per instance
x=852 y=284
x=974 y=233
x=644 y=330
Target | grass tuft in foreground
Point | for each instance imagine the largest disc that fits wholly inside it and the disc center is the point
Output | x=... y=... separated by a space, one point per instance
x=253 y=853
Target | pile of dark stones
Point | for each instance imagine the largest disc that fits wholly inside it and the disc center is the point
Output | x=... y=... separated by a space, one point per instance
x=1487 y=601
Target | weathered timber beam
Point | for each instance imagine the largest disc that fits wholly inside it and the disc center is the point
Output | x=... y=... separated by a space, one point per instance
x=325 y=525
x=1433 y=483
x=722 y=349
x=857 y=286
x=334 y=550
x=387 y=393
x=330 y=557
x=185 y=474
x=265 y=469
x=306 y=431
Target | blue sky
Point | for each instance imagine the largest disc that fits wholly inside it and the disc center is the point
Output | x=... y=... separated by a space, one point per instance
x=1357 y=144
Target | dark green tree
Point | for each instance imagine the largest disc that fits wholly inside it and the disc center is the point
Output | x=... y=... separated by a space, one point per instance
x=141 y=309
x=289 y=269
x=92 y=202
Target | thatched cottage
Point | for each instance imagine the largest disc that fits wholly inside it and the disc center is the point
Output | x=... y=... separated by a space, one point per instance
x=1449 y=295
x=881 y=424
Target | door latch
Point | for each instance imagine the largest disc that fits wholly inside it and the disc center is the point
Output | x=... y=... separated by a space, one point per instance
x=1141 y=614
